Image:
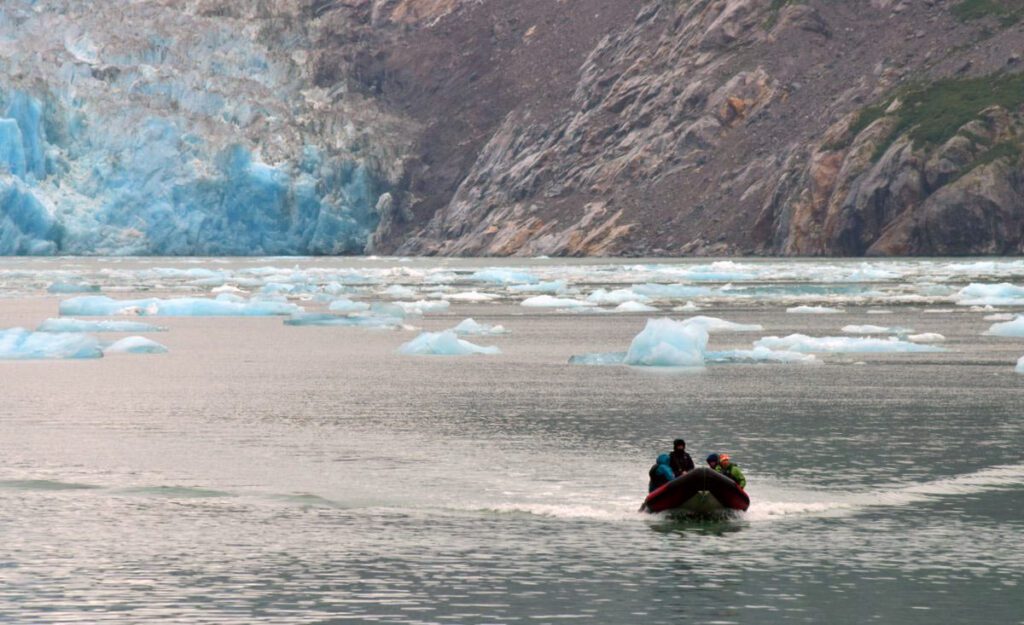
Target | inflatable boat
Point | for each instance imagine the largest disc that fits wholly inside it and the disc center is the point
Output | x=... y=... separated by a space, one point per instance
x=700 y=492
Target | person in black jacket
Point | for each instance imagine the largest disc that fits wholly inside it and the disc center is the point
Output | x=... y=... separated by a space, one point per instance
x=679 y=460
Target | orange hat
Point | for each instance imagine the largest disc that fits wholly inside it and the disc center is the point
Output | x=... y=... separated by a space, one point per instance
x=723 y=457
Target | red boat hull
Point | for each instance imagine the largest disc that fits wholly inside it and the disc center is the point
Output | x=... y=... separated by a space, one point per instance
x=701 y=491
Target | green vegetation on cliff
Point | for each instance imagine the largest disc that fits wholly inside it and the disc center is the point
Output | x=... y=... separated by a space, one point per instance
x=1007 y=12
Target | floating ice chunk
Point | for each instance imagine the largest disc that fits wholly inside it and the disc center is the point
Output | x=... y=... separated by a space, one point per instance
x=398 y=291
x=868 y=273
x=445 y=343
x=423 y=307
x=470 y=327
x=670 y=291
x=552 y=286
x=762 y=354
x=83 y=325
x=879 y=311
x=814 y=310
x=668 y=343
x=687 y=307
x=599 y=359
x=593 y=310
x=227 y=288
x=135 y=345
x=72 y=287
x=472 y=296
x=842 y=344
x=350 y=321
x=926 y=337
x=225 y=305
x=634 y=307
x=344 y=305
x=504 y=276
x=871 y=329
x=547 y=301
x=1010 y=328
x=714 y=324
x=618 y=296
x=1000 y=317
x=1003 y=294
x=1020 y=365
x=20 y=344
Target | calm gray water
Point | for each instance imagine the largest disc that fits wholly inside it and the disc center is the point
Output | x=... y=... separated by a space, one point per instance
x=262 y=473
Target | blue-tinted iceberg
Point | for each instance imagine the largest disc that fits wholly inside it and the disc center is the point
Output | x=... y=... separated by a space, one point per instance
x=842 y=344
x=761 y=355
x=348 y=306
x=360 y=320
x=635 y=307
x=20 y=344
x=1013 y=328
x=618 y=296
x=224 y=305
x=668 y=343
x=1020 y=365
x=599 y=359
x=135 y=345
x=469 y=327
x=873 y=329
x=504 y=276
x=814 y=310
x=445 y=343
x=1003 y=294
x=424 y=307
x=551 y=286
x=83 y=325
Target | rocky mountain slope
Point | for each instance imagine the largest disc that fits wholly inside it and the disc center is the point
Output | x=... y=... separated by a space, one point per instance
x=561 y=127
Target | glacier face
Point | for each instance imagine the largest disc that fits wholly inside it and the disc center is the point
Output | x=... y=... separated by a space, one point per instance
x=165 y=127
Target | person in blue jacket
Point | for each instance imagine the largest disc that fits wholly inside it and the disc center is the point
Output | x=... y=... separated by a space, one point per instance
x=661 y=473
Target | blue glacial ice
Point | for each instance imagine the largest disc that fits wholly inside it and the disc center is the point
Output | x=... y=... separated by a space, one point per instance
x=504 y=276
x=668 y=343
x=873 y=329
x=632 y=307
x=20 y=344
x=842 y=344
x=617 y=296
x=224 y=305
x=445 y=343
x=470 y=327
x=761 y=355
x=1003 y=294
x=1013 y=328
x=344 y=305
x=361 y=320
x=135 y=345
x=549 y=286
x=84 y=325
x=424 y=307
x=138 y=140
x=1020 y=365
x=814 y=310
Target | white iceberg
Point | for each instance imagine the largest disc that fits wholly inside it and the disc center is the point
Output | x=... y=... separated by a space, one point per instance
x=135 y=345
x=842 y=344
x=635 y=307
x=398 y=291
x=1003 y=294
x=83 y=325
x=687 y=307
x=1020 y=365
x=814 y=310
x=714 y=325
x=552 y=286
x=225 y=305
x=1000 y=317
x=547 y=301
x=1013 y=328
x=668 y=343
x=345 y=305
x=445 y=343
x=469 y=327
x=926 y=337
x=872 y=329
x=424 y=307
x=20 y=344
x=618 y=296
x=472 y=296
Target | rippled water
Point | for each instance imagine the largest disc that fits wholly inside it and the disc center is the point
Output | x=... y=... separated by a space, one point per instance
x=265 y=473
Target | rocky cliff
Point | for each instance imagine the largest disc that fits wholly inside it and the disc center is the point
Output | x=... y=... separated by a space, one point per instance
x=561 y=127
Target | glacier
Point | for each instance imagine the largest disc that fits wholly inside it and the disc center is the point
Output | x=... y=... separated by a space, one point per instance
x=176 y=133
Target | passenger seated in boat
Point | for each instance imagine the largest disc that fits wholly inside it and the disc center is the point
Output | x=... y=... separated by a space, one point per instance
x=726 y=467
x=713 y=461
x=679 y=460
x=660 y=473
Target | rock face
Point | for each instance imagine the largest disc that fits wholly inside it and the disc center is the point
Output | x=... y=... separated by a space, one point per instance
x=560 y=127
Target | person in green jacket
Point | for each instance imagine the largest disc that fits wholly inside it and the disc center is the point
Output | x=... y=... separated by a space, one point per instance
x=726 y=467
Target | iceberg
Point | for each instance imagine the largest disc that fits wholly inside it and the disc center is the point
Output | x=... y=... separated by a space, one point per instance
x=687 y=307
x=423 y=307
x=224 y=305
x=348 y=306
x=714 y=325
x=634 y=307
x=1013 y=328
x=547 y=301
x=1020 y=365
x=814 y=310
x=20 y=344
x=668 y=343
x=135 y=345
x=1000 y=317
x=926 y=337
x=842 y=344
x=398 y=291
x=469 y=327
x=82 y=325
x=551 y=286
x=1003 y=294
x=472 y=296
x=618 y=296
x=599 y=359
x=670 y=291
x=361 y=320
x=761 y=355
x=445 y=343
x=872 y=329
x=504 y=276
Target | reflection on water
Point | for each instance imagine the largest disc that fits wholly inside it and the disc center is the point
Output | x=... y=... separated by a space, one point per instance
x=260 y=473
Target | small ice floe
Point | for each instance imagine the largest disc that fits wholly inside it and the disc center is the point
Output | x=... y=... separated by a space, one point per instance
x=687 y=307
x=397 y=291
x=814 y=310
x=714 y=325
x=469 y=327
x=345 y=305
x=445 y=343
x=1004 y=294
x=227 y=288
x=668 y=343
x=135 y=345
x=360 y=320
x=670 y=291
x=842 y=344
x=72 y=287
x=879 y=311
x=599 y=359
x=634 y=307
x=551 y=286
x=504 y=276
x=926 y=337
x=224 y=305
x=83 y=325
x=762 y=355
x=1013 y=328
x=618 y=296
x=1000 y=317
x=872 y=329
x=1020 y=365
x=20 y=344
x=547 y=301
x=471 y=296
x=424 y=307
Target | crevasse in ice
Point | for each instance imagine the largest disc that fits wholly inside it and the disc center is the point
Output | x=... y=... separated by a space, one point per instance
x=172 y=134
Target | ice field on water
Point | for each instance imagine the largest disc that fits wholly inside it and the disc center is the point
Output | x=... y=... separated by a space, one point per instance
x=295 y=440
